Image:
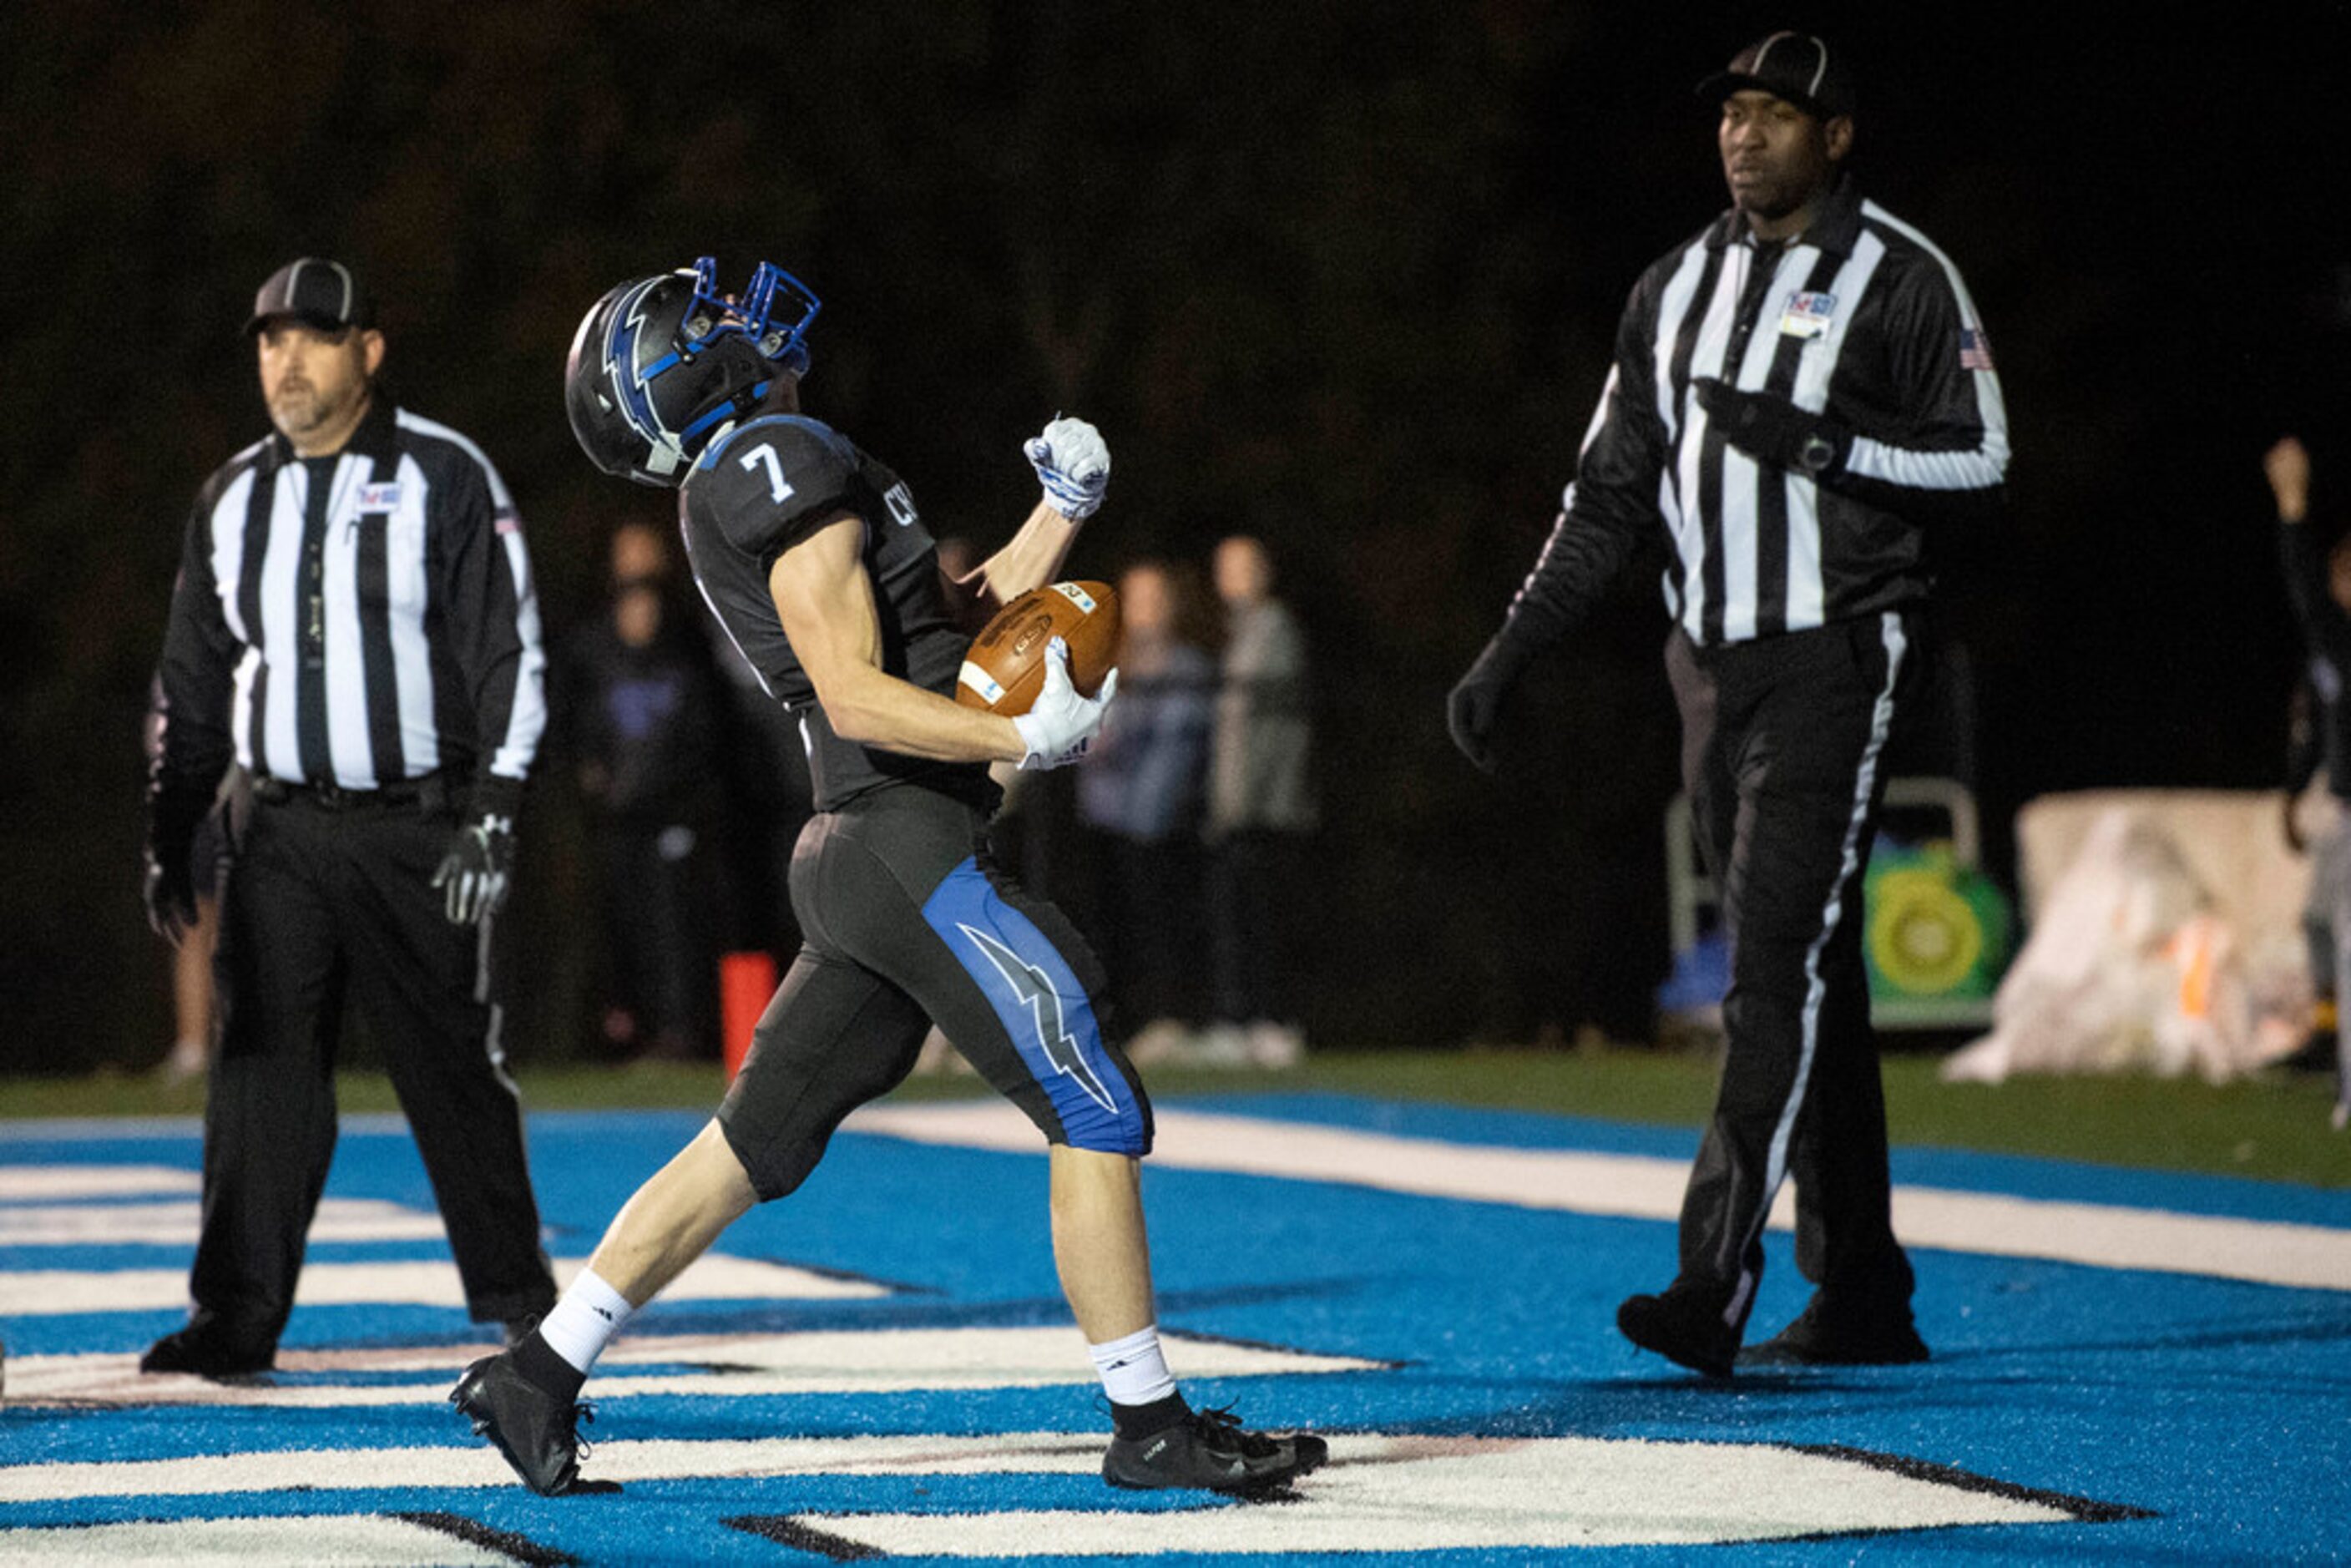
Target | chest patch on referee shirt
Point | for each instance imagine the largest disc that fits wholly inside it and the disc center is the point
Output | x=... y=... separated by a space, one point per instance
x=1807 y=316
x=379 y=498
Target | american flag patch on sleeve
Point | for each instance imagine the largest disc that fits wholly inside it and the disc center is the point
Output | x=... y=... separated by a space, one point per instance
x=1975 y=349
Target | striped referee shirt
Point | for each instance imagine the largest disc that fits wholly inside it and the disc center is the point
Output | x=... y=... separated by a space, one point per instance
x=357 y=620
x=1860 y=316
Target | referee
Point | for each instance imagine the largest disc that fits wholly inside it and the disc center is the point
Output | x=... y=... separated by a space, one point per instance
x=354 y=625
x=1801 y=395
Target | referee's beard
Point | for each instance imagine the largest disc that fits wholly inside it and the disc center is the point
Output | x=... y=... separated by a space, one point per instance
x=318 y=423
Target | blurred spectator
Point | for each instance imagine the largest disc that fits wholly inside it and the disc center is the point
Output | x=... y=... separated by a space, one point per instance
x=2318 y=586
x=1261 y=812
x=637 y=712
x=1140 y=792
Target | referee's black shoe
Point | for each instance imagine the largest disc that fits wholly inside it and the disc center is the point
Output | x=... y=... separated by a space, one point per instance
x=1843 y=1331
x=538 y=1433
x=206 y=1352
x=1684 y=1326
x=1209 y=1449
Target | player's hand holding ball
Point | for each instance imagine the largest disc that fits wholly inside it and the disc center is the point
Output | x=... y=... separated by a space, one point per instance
x=1044 y=662
x=1073 y=464
x=1063 y=723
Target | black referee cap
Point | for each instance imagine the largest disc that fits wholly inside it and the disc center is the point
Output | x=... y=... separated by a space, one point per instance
x=320 y=293
x=1795 y=66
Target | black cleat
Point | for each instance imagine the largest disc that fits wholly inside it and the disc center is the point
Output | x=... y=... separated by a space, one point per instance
x=538 y=1433
x=1210 y=1450
x=191 y=1349
x=1682 y=1328
x=1832 y=1332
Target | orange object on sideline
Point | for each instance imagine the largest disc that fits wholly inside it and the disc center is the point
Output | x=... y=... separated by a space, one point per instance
x=745 y=981
x=2195 y=948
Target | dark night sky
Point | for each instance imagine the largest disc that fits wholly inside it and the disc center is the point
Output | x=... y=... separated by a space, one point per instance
x=1344 y=275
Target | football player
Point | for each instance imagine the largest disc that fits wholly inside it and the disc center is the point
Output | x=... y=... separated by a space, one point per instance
x=814 y=560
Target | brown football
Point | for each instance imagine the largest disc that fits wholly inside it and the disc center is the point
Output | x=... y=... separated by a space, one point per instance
x=1004 y=669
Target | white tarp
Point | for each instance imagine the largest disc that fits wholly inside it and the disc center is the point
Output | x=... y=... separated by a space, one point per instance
x=2164 y=938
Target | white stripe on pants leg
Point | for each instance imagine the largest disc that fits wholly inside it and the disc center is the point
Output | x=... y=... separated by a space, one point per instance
x=1775 y=1170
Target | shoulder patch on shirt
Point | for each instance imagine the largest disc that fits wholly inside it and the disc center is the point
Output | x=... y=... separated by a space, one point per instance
x=1807 y=315
x=1975 y=349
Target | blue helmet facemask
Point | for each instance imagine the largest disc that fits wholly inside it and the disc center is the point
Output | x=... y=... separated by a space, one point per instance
x=773 y=315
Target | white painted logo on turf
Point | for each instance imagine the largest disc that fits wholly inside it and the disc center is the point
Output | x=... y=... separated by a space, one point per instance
x=714 y=1276
x=1381 y=1492
x=706 y=1366
x=1395 y=1494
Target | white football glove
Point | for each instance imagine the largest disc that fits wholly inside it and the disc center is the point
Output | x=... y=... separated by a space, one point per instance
x=1073 y=466
x=1061 y=724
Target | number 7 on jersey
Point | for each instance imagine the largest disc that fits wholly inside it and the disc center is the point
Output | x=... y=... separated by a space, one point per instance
x=777 y=488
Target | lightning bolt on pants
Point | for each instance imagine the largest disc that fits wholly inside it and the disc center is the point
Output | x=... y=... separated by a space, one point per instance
x=907 y=922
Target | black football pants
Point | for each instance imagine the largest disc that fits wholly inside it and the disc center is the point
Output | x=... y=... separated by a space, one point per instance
x=1781 y=742
x=909 y=921
x=326 y=905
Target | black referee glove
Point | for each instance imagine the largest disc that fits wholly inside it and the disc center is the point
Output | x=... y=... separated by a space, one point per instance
x=1475 y=706
x=170 y=891
x=1773 y=430
x=169 y=875
x=473 y=874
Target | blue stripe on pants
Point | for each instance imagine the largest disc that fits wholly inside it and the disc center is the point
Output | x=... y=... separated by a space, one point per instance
x=1043 y=1009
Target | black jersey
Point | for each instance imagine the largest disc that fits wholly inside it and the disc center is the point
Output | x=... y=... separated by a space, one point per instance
x=762 y=488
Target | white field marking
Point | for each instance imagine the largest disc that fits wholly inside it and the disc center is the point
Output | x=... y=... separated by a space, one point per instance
x=424 y=1282
x=882 y=1361
x=1406 y=1494
x=47 y=1183
x=2108 y=1236
x=252 y=1543
x=1378 y=1493
x=177 y=1223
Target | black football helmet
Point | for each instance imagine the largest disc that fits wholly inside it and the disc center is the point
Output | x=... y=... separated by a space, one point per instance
x=660 y=365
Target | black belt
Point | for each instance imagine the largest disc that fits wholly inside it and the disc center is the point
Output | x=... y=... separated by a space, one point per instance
x=334 y=797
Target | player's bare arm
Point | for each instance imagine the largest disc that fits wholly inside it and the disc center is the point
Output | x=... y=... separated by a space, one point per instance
x=1073 y=466
x=825 y=599
x=1030 y=559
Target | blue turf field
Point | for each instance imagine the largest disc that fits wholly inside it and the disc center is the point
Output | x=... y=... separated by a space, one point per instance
x=2145 y=1417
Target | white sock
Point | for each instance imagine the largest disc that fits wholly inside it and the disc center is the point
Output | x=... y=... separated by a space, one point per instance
x=1133 y=1370
x=584 y=1321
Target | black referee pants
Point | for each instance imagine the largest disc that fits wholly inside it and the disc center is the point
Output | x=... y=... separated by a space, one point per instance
x=1781 y=742
x=326 y=904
